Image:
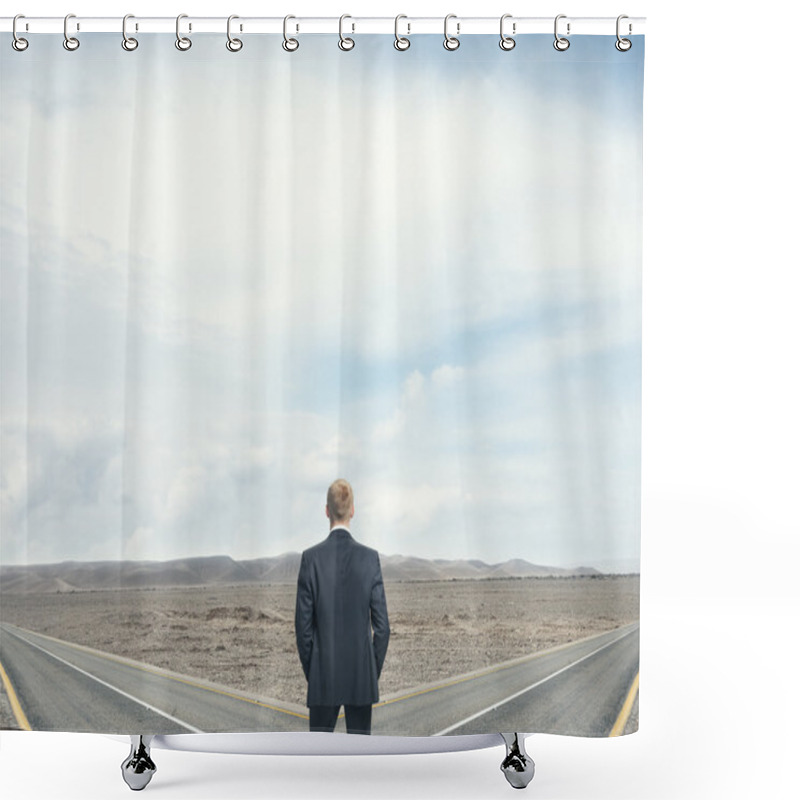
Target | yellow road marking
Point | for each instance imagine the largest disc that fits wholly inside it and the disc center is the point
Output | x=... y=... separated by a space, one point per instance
x=160 y=674
x=22 y=720
x=627 y=707
x=449 y=683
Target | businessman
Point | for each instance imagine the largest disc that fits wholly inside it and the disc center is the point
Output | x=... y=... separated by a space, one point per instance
x=341 y=623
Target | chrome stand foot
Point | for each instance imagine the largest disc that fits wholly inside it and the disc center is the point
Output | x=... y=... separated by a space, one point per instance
x=517 y=766
x=138 y=768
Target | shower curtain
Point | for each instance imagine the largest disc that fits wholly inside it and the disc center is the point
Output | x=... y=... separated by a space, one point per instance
x=321 y=385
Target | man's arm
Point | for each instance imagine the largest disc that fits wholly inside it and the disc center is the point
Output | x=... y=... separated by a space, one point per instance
x=304 y=615
x=380 y=618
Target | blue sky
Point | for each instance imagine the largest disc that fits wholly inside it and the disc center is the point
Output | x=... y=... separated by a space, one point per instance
x=229 y=279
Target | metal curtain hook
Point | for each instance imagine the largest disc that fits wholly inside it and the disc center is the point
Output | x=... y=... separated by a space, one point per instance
x=506 y=42
x=234 y=45
x=451 y=42
x=181 y=42
x=400 y=42
x=289 y=45
x=128 y=42
x=70 y=42
x=18 y=43
x=346 y=43
x=561 y=43
x=623 y=45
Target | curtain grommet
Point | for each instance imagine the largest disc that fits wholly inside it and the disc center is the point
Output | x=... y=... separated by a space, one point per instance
x=561 y=43
x=507 y=42
x=129 y=43
x=451 y=42
x=346 y=44
x=234 y=45
x=70 y=43
x=400 y=42
x=183 y=43
x=18 y=43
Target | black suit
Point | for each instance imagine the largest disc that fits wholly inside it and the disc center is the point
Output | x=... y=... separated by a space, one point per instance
x=342 y=629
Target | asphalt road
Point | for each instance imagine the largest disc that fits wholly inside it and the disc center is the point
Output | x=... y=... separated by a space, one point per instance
x=576 y=689
x=66 y=687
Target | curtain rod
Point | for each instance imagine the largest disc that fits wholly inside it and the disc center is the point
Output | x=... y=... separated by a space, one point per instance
x=300 y=25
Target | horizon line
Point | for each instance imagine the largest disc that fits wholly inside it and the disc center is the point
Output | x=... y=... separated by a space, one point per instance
x=299 y=553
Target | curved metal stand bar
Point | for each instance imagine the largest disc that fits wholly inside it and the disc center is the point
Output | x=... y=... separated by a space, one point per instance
x=139 y=768
x=316 y=743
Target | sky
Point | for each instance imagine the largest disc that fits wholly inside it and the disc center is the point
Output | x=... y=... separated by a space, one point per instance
x=229 y=279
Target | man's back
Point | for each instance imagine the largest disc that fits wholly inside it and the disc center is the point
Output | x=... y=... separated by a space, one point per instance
x=341 y=621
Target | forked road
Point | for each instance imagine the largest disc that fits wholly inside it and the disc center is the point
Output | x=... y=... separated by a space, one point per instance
x=578 y=688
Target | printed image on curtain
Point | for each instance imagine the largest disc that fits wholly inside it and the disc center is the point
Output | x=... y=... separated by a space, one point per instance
x=321 y=379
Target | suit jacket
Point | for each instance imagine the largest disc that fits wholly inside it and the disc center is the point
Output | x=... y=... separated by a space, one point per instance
x=341 y=622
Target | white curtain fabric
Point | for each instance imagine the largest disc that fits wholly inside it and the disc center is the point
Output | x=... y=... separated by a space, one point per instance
x=229 y=279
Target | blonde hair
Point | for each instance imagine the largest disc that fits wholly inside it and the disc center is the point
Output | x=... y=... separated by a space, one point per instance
x=340 y=500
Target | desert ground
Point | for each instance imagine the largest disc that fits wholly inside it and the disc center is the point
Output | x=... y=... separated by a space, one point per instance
x=243 y=636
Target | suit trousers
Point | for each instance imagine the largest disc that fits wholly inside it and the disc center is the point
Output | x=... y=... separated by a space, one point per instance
x=323 y=718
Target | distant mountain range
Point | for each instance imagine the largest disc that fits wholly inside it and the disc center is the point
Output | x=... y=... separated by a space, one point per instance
x=217 y=570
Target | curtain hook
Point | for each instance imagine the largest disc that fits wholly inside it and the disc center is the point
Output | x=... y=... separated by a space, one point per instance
x=289 y=45
x=18 y=43
x=561 y=43
x=181 y=42
x=623 y=45
x=234 y=45
x=70 y=42
x=451 y=42
x=506 y=42
x=400 y=42
x=346 y=43
x=128 y=42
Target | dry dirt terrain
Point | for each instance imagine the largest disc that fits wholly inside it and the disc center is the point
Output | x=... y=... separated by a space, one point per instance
x=243 y=636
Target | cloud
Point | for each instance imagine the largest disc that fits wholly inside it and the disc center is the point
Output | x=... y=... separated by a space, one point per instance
x=441 y=314
x=466 y=452
x=458 y=219
x=60 y=486
x=447 y=376
x=410 y=513
x=391 y=429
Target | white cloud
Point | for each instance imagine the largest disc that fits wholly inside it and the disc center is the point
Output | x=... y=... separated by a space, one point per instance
x=447 y=376
x=438 y=233
x=391 y=429
x=143 y=544
x=410 y=509
x=182 y=331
